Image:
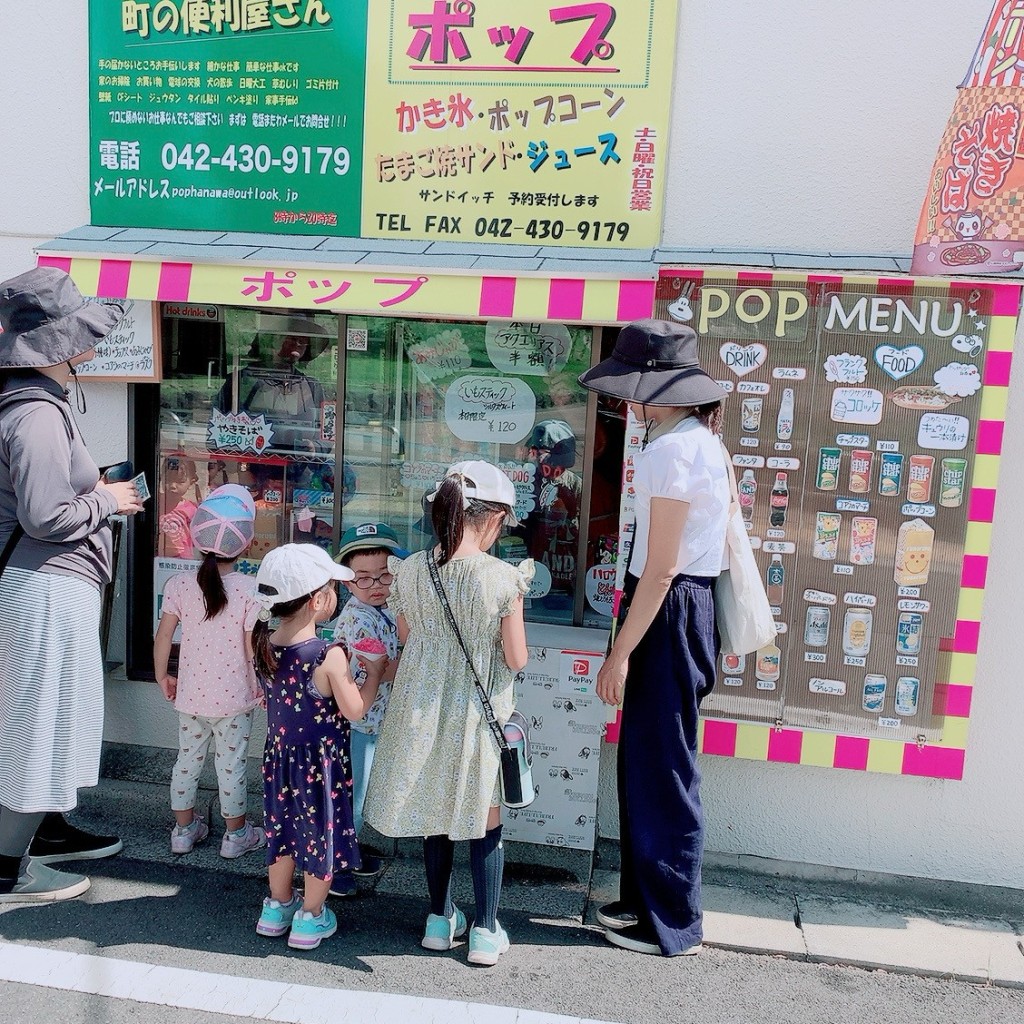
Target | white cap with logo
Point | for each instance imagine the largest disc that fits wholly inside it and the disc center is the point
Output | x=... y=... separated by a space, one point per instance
x=295 y=570
x=482 y=481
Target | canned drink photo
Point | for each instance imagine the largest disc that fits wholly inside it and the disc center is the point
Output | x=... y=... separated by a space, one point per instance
x=860 y=472
x=874 y=693
x=829 y=460
x=909 y=626
x=857 y=632
x=750 y=414
x=890 y=474
x=826 y=535
x=919 y=479
x=908 y=688
x=863 y=531
x=816 y=629
x=952 y=482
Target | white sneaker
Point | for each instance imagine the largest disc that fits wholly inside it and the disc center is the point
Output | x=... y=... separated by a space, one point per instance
x=184 y=839
x=485 y=947
x=236 y=844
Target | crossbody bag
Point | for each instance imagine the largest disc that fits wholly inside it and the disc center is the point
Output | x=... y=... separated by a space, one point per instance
x=513 y=739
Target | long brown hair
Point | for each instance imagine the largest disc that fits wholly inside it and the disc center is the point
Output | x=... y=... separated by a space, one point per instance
x=263 y=656
x=450 y=517
x=211 y=583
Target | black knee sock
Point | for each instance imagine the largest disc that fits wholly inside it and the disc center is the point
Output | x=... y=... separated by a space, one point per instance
x=487 y=859
x=438 y=857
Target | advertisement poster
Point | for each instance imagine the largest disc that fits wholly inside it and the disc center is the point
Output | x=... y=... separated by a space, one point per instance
x=538 y=123
x=234 y=116
x=855 y=425
x=971 y=220
x=555 y=692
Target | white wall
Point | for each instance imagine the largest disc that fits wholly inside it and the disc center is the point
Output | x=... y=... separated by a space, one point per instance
x=798 y=126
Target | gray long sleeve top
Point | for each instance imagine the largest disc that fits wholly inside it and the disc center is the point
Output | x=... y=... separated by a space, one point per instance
x=48 y=484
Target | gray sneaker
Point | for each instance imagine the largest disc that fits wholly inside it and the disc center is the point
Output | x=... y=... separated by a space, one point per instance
x=38 y=883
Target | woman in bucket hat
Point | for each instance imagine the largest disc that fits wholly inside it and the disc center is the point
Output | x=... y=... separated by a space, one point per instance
x=56 y=558
x=662 y=662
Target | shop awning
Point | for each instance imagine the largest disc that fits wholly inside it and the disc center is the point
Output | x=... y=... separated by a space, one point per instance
x=453 y=279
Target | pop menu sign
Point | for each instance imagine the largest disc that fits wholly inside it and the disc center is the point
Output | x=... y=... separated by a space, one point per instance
x=864 y=425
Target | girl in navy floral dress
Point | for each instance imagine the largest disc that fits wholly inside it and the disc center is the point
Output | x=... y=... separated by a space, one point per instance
x=311 y=696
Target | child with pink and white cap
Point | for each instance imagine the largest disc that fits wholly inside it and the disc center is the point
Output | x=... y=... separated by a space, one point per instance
x=215 y=691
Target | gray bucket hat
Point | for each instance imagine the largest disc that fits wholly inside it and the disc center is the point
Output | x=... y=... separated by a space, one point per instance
x=654 y=362
x=46 y=321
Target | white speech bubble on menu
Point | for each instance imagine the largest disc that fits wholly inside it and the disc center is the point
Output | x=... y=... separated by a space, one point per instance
x=499 y=410
x=857 y=405
x=942 y=432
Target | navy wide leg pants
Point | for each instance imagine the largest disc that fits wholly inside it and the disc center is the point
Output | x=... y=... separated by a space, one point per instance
x=660 y=815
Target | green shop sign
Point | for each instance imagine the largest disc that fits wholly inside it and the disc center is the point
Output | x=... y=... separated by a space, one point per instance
x=246 y=115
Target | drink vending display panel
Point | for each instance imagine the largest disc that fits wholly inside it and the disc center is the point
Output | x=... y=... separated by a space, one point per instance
x=852 y=425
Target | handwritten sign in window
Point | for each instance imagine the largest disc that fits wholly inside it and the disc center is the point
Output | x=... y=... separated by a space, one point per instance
x=130 y=351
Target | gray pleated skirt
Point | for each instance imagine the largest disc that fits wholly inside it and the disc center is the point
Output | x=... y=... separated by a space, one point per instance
x=51 y=690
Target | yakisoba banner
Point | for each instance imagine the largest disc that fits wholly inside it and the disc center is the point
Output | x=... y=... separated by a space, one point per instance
x=546 y=123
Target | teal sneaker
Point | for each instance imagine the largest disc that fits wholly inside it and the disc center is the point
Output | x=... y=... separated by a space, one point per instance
x=441 y=932
x=308 y=929
x=485 y=947
x=276 y=918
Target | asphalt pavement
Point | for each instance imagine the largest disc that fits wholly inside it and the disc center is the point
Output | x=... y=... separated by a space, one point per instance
x=160 y=938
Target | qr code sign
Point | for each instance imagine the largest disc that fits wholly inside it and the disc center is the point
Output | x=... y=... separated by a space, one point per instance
x=357 y=340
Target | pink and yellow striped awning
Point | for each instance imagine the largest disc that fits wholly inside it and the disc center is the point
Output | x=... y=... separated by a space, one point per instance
x=385 y=291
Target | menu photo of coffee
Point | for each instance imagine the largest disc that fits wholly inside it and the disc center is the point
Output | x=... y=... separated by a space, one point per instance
x=851 y=424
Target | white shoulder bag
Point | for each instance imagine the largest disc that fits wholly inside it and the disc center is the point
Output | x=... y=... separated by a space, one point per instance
x=744 y=616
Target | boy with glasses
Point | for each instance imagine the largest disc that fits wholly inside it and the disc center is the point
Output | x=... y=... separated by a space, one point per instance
x=365 y=619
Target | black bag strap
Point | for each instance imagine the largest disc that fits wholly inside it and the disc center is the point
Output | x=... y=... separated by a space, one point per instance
x=492 y=721
x=12 y=542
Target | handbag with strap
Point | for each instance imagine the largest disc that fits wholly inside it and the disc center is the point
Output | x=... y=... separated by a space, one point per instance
x=516 y=777
x=12 y=542
x=742 y=610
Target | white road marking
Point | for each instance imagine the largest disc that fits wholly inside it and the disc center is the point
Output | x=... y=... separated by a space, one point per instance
x=244 y=997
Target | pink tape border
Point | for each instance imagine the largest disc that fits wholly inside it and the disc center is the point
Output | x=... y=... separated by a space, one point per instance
x=997 y=369
x=175 y=282
x=498 y=297
x=565 y=299
x=933 y=762
x=975 y=572
x=113 y=279
x=785 y=745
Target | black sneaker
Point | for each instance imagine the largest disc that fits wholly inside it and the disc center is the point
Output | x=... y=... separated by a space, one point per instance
x=616 y=915
x=58 y=840
x=372 y=867
x=344 y=885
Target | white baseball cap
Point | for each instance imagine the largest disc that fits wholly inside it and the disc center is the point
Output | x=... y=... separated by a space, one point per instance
x=295 y=570
x=484 y=482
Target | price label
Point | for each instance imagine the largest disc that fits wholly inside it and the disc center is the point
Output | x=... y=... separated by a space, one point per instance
x=783 y=446
x=749 y=442
x=766 y=684
x=842 y=570
x=908 y=591
x=889 y=723
x=732 y=681
x=775 y=534
x=854 y=662
x=888 y=446
x=815 y=658
x=904 y=662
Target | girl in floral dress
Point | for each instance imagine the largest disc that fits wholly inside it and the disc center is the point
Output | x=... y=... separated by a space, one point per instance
x=435 y=773
x=307 y=782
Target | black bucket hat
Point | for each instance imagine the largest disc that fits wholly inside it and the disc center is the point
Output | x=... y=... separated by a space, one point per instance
x=557 y=438
x=46 y=321
x=654 y=362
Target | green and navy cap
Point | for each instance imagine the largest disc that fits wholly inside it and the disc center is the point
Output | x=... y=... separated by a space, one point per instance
x=369 y=535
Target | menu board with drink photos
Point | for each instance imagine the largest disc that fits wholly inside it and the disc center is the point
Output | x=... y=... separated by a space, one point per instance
x=851 y=424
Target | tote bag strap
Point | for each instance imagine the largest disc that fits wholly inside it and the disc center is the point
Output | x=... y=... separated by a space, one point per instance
x=492 y=721
x=12 y=542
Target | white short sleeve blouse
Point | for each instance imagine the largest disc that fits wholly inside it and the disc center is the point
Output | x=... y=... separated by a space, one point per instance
x=687 y=463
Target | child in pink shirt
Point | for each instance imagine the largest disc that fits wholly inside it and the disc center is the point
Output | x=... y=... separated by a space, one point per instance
x=215 y=690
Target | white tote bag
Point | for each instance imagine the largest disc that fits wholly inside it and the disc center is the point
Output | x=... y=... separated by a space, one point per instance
x=744 y=616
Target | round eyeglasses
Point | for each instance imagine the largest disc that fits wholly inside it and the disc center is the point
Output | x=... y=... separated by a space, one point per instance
x=385 y=579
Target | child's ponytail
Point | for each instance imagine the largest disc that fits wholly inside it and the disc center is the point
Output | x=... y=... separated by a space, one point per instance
x=264 y=658
x=449 y=517
x=211 y=583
